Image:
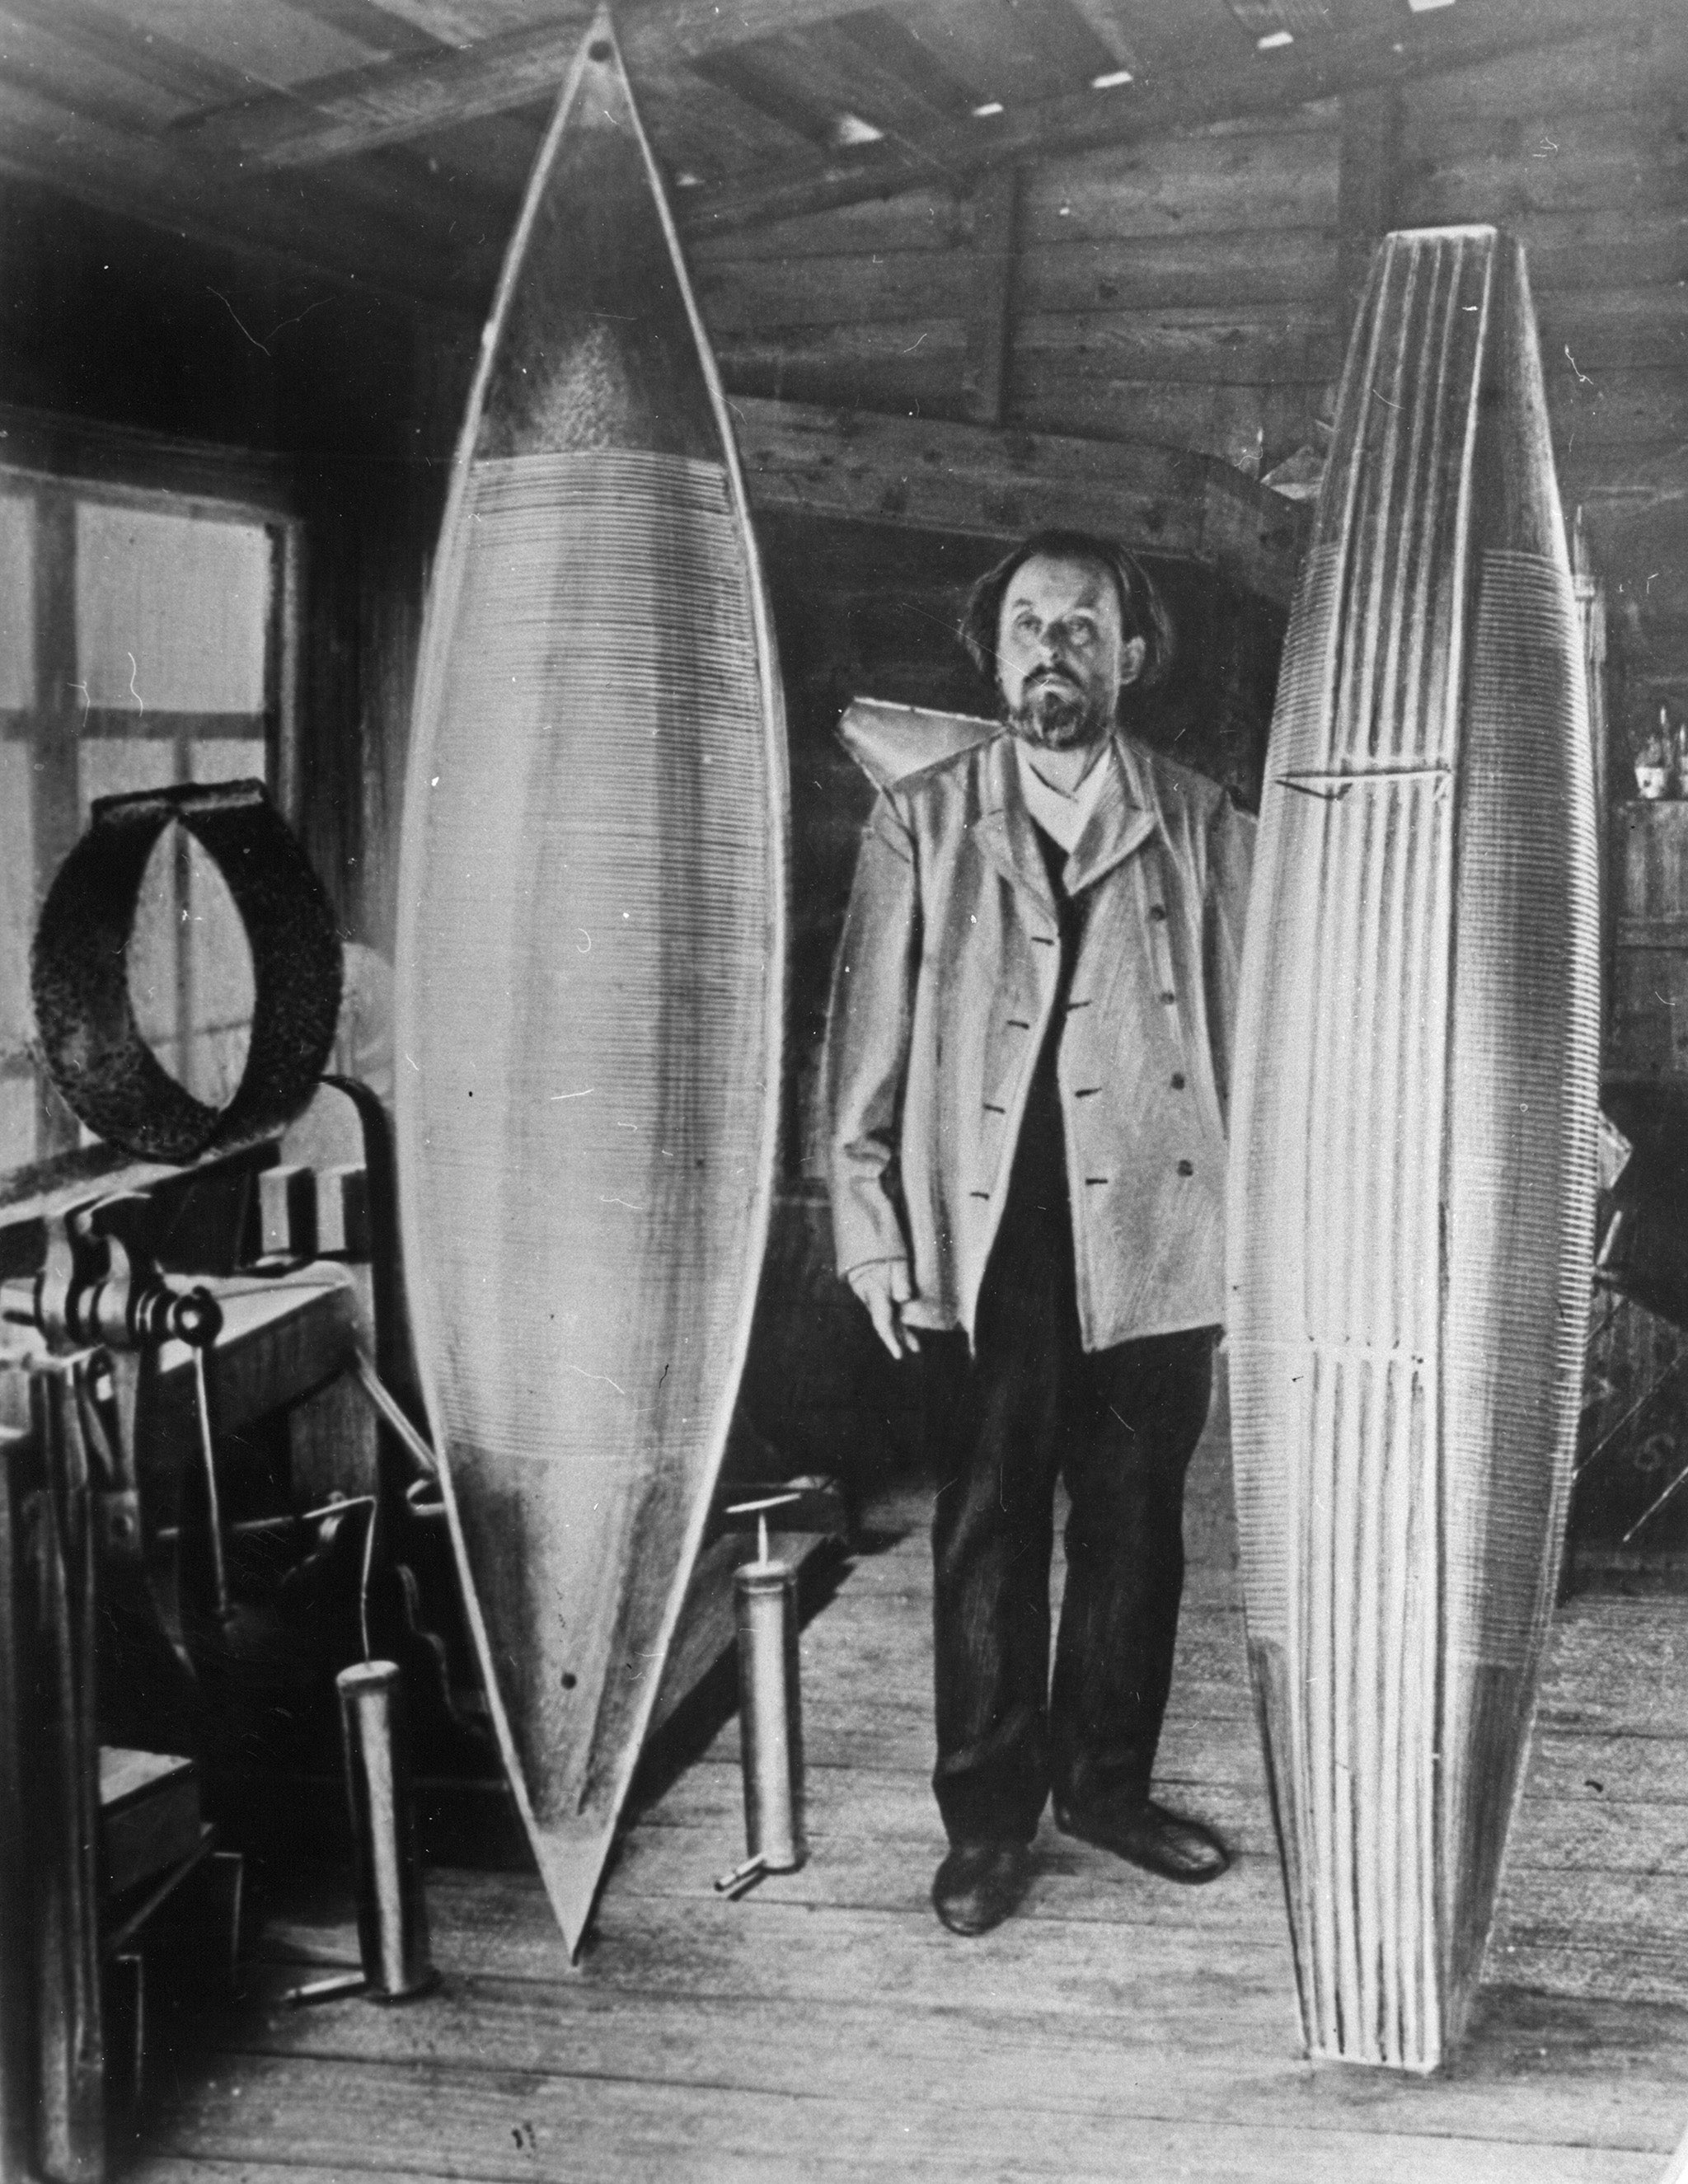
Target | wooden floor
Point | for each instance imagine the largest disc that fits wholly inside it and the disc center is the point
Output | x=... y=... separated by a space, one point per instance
x=826 y=2027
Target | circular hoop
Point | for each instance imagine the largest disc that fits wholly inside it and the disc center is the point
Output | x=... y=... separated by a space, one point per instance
x=79 y=972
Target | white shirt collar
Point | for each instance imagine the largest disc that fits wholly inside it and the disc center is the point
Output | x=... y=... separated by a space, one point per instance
x=1062 y=818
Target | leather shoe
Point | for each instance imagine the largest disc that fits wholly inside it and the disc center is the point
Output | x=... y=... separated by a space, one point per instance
x=979 y=1884
x=1148 y=1836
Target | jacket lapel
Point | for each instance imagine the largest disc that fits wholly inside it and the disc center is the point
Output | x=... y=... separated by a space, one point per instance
x=1126 y=813
x=1003 y=828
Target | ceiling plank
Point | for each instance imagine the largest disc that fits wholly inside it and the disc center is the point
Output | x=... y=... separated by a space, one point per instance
x=272 y=47
x=1003 y=52
x=994 y=207
x=345 y=232
x=335 y=117
x=709 y=130
x=97 y=34
x=1367 y=184
x=814 y=79
x=461 y=22
x=1254 y=83
x=862 y=466
x=388 y=35
x=37 y=56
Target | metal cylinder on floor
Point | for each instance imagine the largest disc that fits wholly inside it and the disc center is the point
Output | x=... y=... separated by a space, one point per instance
x=393 y=1914
x=769 y=1712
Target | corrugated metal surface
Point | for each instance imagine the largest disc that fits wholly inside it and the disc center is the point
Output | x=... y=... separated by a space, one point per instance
x=1413 y=1152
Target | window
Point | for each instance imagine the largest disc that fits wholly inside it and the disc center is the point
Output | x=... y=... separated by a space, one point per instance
x=142 y=642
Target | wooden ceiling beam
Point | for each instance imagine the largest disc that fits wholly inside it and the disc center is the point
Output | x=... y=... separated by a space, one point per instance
x=351 y=236
x=861 y=466
x=86 y=30
x=1340 y=64
x=668 y=26
x=390 y=102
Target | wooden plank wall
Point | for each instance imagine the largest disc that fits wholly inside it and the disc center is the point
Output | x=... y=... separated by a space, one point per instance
x=1182 y=292
x=1583 y=153
x=1197 y=293
x=1194 y=293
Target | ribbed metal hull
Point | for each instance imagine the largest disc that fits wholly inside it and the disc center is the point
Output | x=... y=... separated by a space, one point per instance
x=592 y=934
x=1412 y=1158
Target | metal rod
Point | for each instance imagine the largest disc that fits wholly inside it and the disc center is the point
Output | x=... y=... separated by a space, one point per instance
x=741 y=1879
x=1646 y=1515
x=213 y=1514
x=748 y=1869
x=370 y=1381
x=366 y=1571
x=335 y=1988
x=1633 y=1412
x=122 y=1936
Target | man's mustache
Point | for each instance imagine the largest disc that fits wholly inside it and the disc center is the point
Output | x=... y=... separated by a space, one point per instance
x=1040 y=674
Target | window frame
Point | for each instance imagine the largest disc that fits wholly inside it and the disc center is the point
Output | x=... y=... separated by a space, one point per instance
x=63 y=462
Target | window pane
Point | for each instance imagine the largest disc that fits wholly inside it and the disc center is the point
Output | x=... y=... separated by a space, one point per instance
x=17 y=600
x=172 y=612
x=228 y=758
x=175 y=612
x=17 y=897
x=219 y=983
x=188 y=954
x=107 y=765
x=17 y=1121
x=151 y=955
x=222 y=989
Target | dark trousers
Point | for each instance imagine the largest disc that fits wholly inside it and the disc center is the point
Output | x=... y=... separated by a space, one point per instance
x=1119 y=1426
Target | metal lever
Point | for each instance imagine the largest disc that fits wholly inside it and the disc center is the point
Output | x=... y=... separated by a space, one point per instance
x=214 y=1510
x=759 y=1510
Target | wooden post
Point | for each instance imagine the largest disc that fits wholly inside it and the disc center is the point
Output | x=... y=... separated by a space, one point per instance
x=1367 y=181
x=993 y=204
x=60 y=703
x=63 y=1782
x=17 y=1988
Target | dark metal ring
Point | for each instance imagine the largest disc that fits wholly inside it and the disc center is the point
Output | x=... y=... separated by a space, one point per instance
x=79 y=974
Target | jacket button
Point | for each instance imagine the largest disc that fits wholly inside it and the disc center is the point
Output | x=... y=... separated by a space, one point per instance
x=1185 y=1169
x=1178 y=1081
x=1157 y=910
x=1169 y=997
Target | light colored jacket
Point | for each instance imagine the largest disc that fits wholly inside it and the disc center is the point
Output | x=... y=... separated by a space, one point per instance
x=942 y=992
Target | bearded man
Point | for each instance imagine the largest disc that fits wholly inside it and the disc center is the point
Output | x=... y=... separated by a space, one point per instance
x=1026 y=1076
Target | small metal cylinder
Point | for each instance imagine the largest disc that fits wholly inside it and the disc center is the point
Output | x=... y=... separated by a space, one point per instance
x=769 y=1716
x=392 y=1911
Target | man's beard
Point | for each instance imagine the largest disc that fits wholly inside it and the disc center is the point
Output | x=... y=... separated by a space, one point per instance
x=1053 y=714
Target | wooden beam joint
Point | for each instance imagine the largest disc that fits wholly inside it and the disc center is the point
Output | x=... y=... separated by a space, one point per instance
x=990 y=209
x=1367 y=183
x=863 y=466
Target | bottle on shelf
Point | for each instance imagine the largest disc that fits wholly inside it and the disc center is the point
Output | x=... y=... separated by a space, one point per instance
x=1658 y=760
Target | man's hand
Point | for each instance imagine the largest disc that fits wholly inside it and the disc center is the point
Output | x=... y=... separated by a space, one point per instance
x=885 y=1288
